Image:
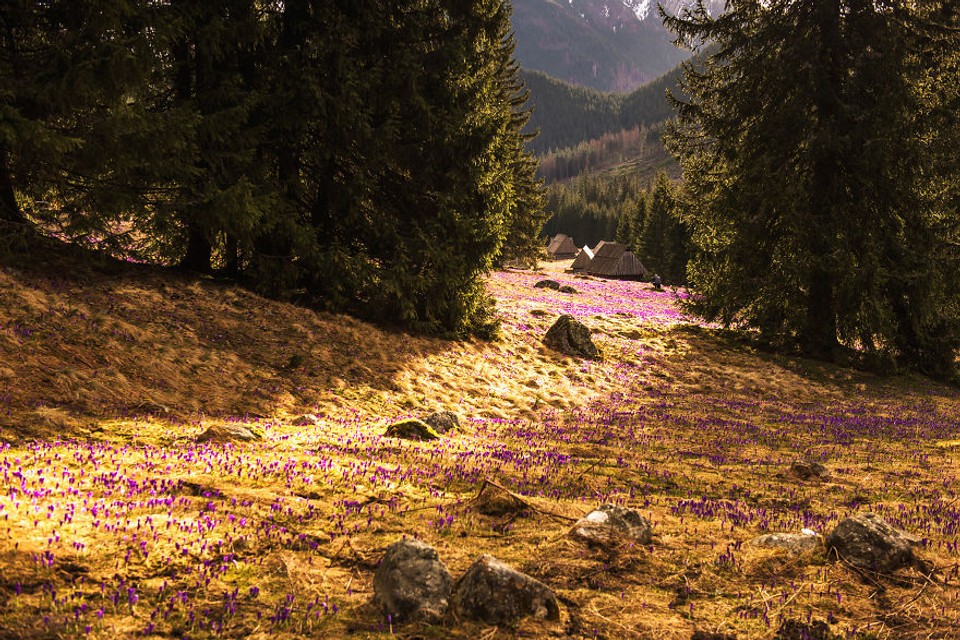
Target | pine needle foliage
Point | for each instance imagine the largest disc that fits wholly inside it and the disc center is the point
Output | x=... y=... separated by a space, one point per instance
x=812 y=147
x=365 y=156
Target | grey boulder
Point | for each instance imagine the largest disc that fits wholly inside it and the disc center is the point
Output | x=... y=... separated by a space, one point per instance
x=569 y=336
x=412 y=583
x=443 y=421
x=610 y=525
x=494 y=593
x=867 y=541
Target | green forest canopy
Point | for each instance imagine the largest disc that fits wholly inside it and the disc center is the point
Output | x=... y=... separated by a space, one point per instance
x=366 y=156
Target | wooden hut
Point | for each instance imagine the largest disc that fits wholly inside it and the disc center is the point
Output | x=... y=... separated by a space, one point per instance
x=561 y=247
x=614 y=260
x=583 y=259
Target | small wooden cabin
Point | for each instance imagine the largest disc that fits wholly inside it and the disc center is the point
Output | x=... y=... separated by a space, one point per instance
x=583 y=259
x=614 y=260
x=561 y=247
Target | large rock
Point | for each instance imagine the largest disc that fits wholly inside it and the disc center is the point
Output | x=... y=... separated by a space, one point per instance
x=229 y=433
x=610 y=525
x=411 y=583
x=571 y=337
x=443 y=421
x=866 y=541
x=548 y=284
x=492 y=592
x=411 y=429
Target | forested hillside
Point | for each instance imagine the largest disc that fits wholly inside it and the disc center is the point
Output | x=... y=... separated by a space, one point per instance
x=356 y=156
x=566 y=114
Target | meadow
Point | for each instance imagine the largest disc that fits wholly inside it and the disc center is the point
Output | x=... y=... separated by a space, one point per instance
x=115 y=522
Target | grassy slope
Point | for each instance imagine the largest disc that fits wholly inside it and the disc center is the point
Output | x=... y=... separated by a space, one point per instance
x=116 y=520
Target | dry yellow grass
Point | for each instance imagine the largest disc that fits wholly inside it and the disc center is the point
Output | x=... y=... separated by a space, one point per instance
x=107 y=377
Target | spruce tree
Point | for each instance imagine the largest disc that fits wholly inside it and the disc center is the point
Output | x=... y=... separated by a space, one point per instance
x=68 y=70
x=805 y=154
x=663 y=238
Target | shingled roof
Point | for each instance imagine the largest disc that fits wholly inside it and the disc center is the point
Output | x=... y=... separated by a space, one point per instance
x=561 y=246
x=583 y=259
x=614 y=260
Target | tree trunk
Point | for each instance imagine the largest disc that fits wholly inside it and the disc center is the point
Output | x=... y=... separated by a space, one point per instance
x=199 y=251
x=819 y=338
x=9 y=209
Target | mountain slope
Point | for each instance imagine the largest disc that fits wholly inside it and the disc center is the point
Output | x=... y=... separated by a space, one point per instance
x=609 y=45
x=567 y=115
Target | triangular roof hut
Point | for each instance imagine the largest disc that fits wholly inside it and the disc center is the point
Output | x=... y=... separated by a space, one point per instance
x=600 y=246
x=561 y=246
x=614 y=260
x=583 y=259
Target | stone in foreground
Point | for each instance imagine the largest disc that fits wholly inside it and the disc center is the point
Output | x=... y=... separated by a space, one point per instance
x=567 y=289
x=443 y=421
x=610 y=525
x=411 y=429
x=228 y=433
x=492 y=592
x=868 y=542
x=411 y=583
x=571 y=337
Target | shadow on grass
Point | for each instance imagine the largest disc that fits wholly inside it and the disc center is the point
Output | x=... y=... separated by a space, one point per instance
x=85 y=335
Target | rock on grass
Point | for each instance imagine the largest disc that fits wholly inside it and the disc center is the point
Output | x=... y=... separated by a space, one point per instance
x=571 y=337
x=412 y=583
x=411 y=429
x=809 y=470
x=868 y=542
x=548 y=284
x=442 y=421
x=229 y=433
x=494 y=593
x=610 y=525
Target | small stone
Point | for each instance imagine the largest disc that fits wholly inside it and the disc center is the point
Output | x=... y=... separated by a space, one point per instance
x=809 y=470
x=610 y=525
x=794 y=542
x=306 y=420
x=571 y=337
x=548 y=284
x=412 y=583
x=495 y=501
x=539 y=313
x=229 y=433
x=494 y=593
x=443 y=421
x=868 y=542
x=567 y=289
x=411 y=429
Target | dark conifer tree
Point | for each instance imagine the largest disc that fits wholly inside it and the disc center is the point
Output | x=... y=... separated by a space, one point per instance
x=68 y=71
x=804 y=154
x=663 y=239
